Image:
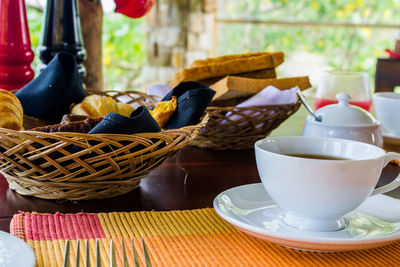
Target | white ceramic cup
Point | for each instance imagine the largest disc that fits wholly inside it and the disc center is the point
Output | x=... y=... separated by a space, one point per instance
x=316 y=193
x=387 y=109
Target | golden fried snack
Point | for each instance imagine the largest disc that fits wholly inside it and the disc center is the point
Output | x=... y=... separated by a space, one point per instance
x=235 y=87
x=11 y=112
x=95 y=106
x=232 y=65
x=163 y=111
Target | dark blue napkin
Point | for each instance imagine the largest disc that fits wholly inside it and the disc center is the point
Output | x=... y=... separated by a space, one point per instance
x=50 y=95
x=192 y=100
x=140 y=121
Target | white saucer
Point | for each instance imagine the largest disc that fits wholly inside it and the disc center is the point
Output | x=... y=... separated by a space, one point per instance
x=250 y=209
x=15 y=252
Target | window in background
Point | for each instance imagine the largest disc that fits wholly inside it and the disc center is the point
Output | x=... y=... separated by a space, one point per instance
x=315 y=35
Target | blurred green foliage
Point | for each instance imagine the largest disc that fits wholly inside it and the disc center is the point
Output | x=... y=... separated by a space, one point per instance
x=350 y=48
x=356 y=11
x=347 y=48
x=123 y=47
x=34 y=23
x=124 y=50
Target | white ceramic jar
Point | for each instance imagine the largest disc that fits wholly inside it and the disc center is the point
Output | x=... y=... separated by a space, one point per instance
x=344 y=121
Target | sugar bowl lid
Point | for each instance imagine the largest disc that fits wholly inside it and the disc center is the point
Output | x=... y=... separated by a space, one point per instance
x=343 y=114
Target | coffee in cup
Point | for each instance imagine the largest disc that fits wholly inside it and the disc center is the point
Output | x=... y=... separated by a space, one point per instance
x=317 y=192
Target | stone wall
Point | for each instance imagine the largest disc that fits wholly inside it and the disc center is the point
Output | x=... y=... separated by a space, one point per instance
x=179 y=32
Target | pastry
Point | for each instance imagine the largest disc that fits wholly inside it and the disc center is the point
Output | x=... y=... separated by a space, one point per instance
x=97 y=106
x=163 y=111
x=228 y=65
x=11 y=112
x=235 y=87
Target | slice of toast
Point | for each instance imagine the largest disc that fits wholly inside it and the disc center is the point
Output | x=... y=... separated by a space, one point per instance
x=202 y=62
x=236 y=87
x=257 y=74
x=230 y=66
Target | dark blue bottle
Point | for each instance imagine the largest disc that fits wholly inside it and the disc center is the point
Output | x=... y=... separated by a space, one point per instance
x=61 y=31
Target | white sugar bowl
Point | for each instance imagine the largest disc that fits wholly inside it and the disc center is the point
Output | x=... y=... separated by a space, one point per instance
x=344 y=121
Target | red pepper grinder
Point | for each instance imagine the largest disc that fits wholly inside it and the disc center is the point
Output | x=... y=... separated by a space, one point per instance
x=16 y=54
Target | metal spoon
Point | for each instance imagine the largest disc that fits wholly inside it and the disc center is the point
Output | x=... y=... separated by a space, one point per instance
x=303 y=100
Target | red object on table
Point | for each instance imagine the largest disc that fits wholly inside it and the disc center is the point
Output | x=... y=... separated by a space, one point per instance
x=134 y=8
x=392 y=54
x=16 y=54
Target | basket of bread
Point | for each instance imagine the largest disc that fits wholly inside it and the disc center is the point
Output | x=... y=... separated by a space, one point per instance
x=248 y=102
x=101 y=147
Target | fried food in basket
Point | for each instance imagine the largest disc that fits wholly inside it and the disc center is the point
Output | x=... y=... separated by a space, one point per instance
x=228 y=65
x=163 y=111
x=95 y=106
x=236 y=87
x=11 y=112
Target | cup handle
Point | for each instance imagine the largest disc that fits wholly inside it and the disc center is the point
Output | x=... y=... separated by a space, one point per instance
x=394 y=184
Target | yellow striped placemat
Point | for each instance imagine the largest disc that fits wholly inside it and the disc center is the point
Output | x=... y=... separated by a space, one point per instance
x=175 y=238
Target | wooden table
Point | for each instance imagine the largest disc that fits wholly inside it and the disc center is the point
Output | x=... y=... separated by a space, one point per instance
x=190 y=179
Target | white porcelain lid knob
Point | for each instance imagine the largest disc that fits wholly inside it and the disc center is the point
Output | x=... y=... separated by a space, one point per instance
x=343 y=98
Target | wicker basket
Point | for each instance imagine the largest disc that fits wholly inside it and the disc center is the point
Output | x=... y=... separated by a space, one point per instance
x=104 y=165
x=239 y=128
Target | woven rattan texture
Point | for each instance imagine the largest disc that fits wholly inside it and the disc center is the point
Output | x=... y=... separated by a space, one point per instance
x=239 y=128
x=77 y=166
